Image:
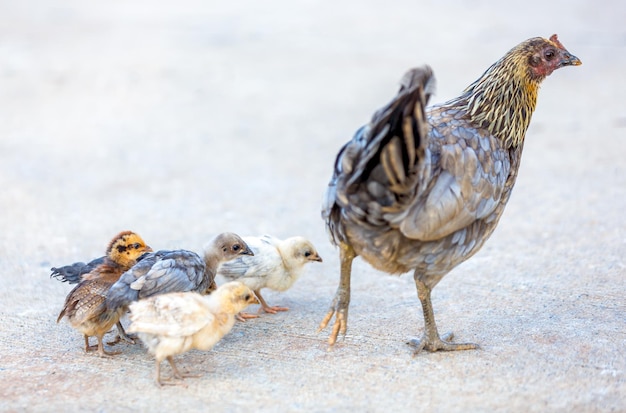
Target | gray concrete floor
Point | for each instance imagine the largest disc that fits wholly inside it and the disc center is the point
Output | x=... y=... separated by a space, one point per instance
x=183 y=119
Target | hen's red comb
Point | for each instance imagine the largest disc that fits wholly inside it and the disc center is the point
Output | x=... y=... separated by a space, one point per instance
x=554 y=39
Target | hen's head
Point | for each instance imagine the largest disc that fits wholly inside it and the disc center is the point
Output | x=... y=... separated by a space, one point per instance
x=126 y=247
x=503 y=99
x=544 y=56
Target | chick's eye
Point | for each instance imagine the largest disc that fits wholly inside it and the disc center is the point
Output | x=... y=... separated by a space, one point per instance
x=549 y=54
x=236 y=247
x=307 y=254
x=136 y=245
x=247 y=297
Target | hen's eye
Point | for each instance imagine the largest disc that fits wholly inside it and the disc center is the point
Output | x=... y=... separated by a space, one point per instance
x=534 y=61
x=236 y=247
x=549 y=54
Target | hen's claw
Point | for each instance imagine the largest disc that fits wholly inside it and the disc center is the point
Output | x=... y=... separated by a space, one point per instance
x=439 y=344
x=339 y=327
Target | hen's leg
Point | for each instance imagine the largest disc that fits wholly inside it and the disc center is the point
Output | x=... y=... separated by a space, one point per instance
x=267 y=308
x=122 y=336
x=431 y=341
x=341 y=302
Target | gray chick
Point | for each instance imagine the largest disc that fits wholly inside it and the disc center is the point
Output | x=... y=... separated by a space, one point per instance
x=175 y=271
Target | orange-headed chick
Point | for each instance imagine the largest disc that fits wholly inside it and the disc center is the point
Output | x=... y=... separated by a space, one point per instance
x=85 y=305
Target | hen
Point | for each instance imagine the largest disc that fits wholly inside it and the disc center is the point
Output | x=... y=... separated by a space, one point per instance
x=174 y=323
x=421 y=189
x=85 y=305
x=165 y=271
x=276 y=265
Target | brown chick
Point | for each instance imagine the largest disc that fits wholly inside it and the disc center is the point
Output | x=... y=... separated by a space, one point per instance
x=174 y=323
x=85 y=305
x=166 y=271
x=421 y=189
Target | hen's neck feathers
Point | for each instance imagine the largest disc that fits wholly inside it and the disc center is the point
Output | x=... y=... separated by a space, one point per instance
x=503 y=99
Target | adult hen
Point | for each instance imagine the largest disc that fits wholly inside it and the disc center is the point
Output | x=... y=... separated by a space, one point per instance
x=421 y=189
x=276 y=264
x=165 y=271
x=85 y=305
x=174 y=323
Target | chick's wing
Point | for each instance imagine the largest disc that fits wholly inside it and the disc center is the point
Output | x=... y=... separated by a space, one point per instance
x=170 y=315
x=265 y=260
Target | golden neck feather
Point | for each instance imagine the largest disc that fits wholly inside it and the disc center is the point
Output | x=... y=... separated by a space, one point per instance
x=503 y=99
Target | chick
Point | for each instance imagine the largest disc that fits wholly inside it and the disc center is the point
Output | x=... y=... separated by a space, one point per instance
x=276 y=265
x=174 y=323
x=85 y=305
x=164 y=271
x=73 y=273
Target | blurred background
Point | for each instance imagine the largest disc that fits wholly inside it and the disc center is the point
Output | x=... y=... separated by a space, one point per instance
x=179 y=120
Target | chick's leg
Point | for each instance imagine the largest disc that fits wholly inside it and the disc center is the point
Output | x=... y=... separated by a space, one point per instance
x=267 y=308
x=341 y=302
x=89 y=348
x=122 y=336
x=101 y=351
x=431 y=341
x=177 y=373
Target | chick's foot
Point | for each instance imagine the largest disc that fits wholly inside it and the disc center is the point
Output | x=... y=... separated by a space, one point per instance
x=122 y=336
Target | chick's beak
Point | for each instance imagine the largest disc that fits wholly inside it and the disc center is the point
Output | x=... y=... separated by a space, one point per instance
x=254 y=299
x=316 y=258
x=569 y=59
x=246 y=251
x=148 y=248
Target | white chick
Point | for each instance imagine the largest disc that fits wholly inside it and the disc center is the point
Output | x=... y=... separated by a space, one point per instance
x=174 y=323
x=276 y=265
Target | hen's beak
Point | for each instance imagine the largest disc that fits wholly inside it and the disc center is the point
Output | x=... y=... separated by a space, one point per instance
x=569 y=59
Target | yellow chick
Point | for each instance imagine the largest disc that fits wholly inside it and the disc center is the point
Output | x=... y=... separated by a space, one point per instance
x=174 y=323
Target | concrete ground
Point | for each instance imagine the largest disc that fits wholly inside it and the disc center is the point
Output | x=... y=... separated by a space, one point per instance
x=183 y=119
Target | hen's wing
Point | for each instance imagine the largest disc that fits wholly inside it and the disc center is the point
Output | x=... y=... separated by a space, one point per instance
x=265 y=260
x=158 y=273
x=73 y=273
x=170 y=315
x=426 y=176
